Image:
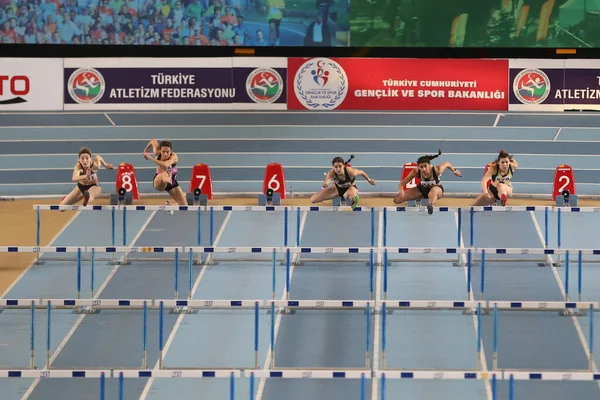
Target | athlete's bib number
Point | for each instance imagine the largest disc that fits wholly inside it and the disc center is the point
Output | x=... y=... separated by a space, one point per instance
x=126 y=182
x=564 y=179
x=274 y=183
x=202 y=180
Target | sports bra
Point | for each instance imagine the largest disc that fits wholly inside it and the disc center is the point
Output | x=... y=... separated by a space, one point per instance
x=347 y=182
x=432 y=181
x=171 y=168
x=506 y=179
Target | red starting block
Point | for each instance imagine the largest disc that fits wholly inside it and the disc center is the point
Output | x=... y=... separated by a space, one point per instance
x=274 y=180
x=126 y=185
x=201 y=179
x=563 y=189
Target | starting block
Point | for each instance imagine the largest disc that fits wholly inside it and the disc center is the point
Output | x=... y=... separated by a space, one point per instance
x=563 y=189
x=269 y=198
x=126 y=186
x=197 y=198
x=123 y=197
x=567 y=200
x=338 y=201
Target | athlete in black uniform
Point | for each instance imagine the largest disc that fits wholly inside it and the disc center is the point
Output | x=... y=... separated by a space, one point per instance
x=85 y=173
x=499 y=175
x=166 y=169
x=343 y=176
x=430 y=186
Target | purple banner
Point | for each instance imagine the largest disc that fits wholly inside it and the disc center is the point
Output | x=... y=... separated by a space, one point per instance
x=582 y=86
x=148 y=85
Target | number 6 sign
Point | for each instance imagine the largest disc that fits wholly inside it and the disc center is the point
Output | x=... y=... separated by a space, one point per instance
x=408 y=167
x=274 y=179
x=127 y=180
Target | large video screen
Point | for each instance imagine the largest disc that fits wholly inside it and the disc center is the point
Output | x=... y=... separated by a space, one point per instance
x=176 y=22
x=475 y=23
x=302 y=23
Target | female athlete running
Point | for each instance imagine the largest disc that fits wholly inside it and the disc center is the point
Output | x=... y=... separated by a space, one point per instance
x=343 y=177
x=85 y=174
x=499 y=175
x=430 y=186
x=166 y=170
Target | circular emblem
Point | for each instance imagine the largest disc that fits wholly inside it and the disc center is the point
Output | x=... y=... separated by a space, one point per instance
x=531 y=86
x=86 y=86
x=321 y=84
x=264 y=85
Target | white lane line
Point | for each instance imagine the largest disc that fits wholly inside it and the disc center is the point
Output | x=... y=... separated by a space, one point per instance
x=557 y=133
x=109 y=119
x=80 y=319
x=267 y=364
x=488 y=386
x=181 y=316
x=561 y=287
x=12 y=285
x=377 y=309
x=497 y=120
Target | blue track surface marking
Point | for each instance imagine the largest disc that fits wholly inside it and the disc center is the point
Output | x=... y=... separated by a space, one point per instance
x=551 y=340
x=48 y=120
x=428 y=339
x=318 y=119
x=323 y=338
x=554 y=120
x=288 y=132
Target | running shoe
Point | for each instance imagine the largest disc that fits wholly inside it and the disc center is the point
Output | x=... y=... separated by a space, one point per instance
x=86 y=198
x=355 y=200
x=504 y=199
x=429 y=209
x=168 y=203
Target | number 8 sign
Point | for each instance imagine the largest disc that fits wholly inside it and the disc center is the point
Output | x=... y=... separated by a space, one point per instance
x=274 y=179
x=127 y=180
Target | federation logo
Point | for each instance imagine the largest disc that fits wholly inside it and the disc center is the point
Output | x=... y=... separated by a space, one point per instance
x=86 y=86
x=264 y=85
x=321 y=84
x=531 y=86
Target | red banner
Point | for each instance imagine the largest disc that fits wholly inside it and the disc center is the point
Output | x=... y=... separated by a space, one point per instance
x=397 y=84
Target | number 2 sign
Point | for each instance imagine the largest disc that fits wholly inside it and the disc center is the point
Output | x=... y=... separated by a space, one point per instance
x=563 y=180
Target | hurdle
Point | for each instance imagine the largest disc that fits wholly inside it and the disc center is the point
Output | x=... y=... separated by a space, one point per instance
x=297 y=251
x=384 y=308
x=286 y=210
x=507 y=375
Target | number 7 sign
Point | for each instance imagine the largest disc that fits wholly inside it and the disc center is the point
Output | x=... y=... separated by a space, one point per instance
x=201 y=179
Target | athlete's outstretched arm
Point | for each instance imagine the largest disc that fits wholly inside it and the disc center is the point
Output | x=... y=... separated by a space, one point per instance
x=328 y=178
x=442 y=167
x=163 y=164
x=486 y=177
x=78 y=178
x=154 y=145
x=411 y=175
x=100 y=161
x=359 y=172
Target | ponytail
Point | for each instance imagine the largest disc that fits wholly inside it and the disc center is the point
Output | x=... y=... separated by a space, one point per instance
x=502 y=154
x=341 y=160
x=427 y=159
